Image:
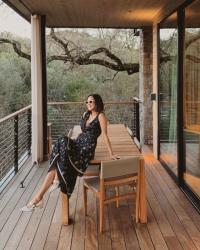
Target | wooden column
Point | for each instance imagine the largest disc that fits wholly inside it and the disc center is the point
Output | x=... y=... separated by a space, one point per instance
x=39 y=89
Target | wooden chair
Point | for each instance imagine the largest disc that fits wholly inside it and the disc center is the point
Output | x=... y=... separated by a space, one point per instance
x=114 y=173
x=92 y=171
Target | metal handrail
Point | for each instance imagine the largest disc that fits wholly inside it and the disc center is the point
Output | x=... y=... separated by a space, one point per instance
x=15 y=113
x=116 y=111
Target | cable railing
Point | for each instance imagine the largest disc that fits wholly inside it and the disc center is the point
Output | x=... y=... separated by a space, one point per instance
x=15 y=129
x=64 y=115
x=15 y=143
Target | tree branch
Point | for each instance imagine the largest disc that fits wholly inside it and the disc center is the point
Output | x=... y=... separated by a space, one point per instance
x=17 y=48
x=131 y=68
x=79 y=57
x=193 y=58
x=194 y=39
x=111 y=79
x=85 y=58
x=107 y=53
x=63 y=58
x=62 y=43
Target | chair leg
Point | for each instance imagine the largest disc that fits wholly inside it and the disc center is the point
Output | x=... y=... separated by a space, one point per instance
x=101 y=214
x=85 y=198
x=137 y=204
x=117 y=193
x=65 y=209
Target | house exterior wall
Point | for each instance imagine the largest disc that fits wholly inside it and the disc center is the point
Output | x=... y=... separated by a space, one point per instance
x=146 y=86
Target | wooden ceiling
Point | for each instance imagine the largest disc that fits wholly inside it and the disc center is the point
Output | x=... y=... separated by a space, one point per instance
x=96 y=13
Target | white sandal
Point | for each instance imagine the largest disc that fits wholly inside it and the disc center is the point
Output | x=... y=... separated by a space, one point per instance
x=32 y=206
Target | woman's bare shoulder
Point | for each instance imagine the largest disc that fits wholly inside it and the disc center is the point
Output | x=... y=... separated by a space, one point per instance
x=103 y=117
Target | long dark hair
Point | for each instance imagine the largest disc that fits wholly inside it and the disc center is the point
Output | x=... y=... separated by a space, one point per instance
x=98 y=102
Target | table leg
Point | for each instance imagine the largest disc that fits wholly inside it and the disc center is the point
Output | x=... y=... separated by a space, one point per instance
x=142 y=194
x=65 y=209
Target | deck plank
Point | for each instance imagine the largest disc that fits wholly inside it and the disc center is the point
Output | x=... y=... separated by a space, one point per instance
x=35 y=217
x=142 y=232
x=66 y=233
x=51 y=242
x=14 y=184
x=154 y=231
x=91 y=239
x=184 y=218
x=104 y=239
x=8 y=203
x=144 y=237
x=78 y=238
x=117 y=236
x=169 y=206
x=16 y=213
x=45 y=222
x=130 y=236
x=186 y=205
x=173 y=223
x=163 y=223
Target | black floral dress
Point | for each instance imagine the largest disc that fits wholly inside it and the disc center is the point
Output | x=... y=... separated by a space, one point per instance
x=71 y=157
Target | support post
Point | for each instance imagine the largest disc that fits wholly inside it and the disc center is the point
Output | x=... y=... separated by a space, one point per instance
x=39 y=89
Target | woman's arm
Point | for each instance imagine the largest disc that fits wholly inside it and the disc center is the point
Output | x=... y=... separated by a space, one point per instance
x=103 y=123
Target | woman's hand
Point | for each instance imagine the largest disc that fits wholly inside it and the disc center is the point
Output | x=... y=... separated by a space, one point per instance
x=115 y=157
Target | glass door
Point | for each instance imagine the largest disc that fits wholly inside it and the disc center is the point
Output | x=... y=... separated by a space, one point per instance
x=191 y=98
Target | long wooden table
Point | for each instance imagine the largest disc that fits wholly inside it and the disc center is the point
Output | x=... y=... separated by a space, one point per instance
x=122 y=145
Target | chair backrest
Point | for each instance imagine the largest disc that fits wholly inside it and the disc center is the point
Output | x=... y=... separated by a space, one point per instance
x=121 y=167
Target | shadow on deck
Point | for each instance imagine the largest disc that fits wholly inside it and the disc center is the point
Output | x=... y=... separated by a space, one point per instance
x=173 y=223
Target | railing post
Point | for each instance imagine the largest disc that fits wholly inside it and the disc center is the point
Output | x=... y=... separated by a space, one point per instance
x=16 y=144
x=29 y=132
x=137 y=120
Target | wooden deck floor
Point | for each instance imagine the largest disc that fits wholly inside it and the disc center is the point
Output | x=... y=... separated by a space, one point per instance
x=173 y=223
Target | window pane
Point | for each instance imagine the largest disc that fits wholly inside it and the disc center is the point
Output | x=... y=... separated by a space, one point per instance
x=168 y=92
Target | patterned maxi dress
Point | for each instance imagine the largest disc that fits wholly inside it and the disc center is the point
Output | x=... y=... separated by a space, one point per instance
x=71 y=157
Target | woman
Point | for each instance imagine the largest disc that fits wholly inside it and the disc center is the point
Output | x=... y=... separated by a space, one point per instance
x=70 y=158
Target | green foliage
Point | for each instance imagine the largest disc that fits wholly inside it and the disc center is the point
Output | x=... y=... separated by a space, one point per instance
x=14 y=83
x=67 y=83
x=74 y=84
